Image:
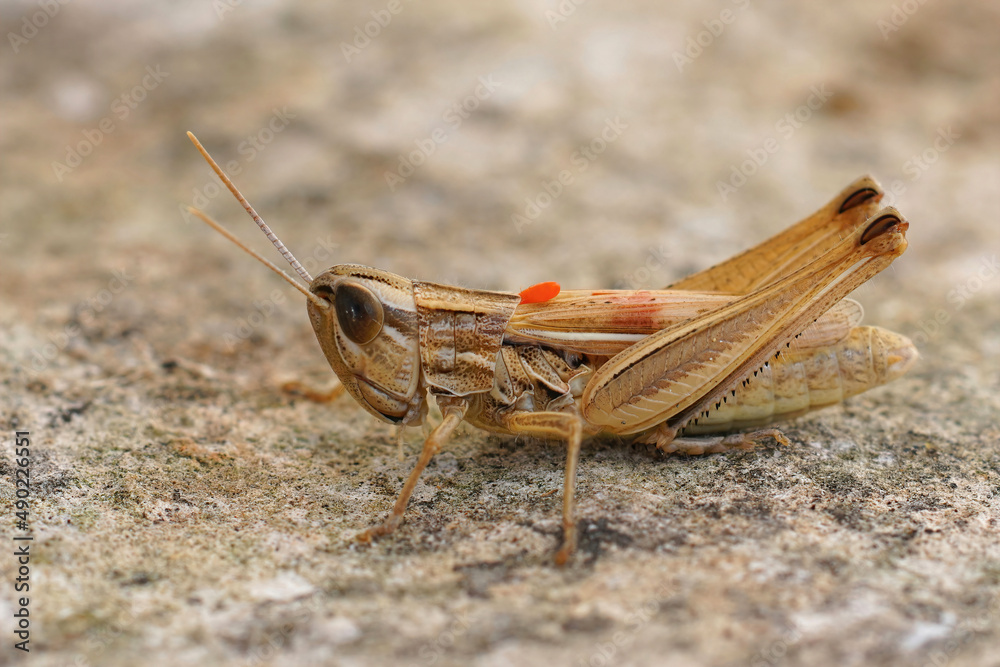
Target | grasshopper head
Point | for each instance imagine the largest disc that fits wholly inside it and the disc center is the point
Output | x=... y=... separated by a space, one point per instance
x=369 y=336
x=365 y=321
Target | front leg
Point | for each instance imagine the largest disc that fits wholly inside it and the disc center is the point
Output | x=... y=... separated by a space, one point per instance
x=453 y=411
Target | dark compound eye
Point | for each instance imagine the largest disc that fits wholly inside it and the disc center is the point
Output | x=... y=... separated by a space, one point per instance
x=358 y=312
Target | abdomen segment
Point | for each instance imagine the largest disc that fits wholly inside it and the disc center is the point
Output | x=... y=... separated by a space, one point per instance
x=799 y=380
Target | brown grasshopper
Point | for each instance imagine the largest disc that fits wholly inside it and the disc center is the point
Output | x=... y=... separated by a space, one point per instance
x=766 y=335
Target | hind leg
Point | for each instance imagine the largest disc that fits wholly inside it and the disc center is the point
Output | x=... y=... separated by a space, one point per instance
x=666 y=440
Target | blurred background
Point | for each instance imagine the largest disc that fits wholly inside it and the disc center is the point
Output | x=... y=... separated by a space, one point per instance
x=424 y=145
x=491 y=145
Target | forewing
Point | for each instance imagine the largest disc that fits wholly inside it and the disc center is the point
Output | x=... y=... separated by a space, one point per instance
x=605 y=322
x=793 y=248
x=673 y=374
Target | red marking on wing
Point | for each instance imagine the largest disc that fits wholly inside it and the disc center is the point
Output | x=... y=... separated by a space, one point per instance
x=540 y=292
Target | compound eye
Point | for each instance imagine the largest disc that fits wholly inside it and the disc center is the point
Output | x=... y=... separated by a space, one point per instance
x=358 y=312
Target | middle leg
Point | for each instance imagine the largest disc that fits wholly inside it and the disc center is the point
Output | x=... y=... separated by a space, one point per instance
x=564 y=426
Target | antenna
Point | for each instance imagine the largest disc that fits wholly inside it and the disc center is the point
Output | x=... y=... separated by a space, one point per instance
x=271 y=236
x=291 y=281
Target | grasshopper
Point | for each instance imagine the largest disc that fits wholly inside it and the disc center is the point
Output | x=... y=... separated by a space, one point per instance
x=764 y=336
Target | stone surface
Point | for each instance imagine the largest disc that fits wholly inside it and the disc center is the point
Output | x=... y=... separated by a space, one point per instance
x=189 y=512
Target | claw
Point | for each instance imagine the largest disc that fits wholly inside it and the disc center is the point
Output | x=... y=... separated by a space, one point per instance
x=568 y=545
x=384 y=528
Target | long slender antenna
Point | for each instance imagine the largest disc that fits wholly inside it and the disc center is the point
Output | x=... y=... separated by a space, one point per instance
x=222 y=230
x=271 y=236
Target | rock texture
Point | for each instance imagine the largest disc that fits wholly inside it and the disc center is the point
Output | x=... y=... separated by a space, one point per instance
x=187 y=511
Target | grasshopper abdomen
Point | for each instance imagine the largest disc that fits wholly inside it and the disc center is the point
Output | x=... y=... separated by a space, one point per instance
x=803 y=379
